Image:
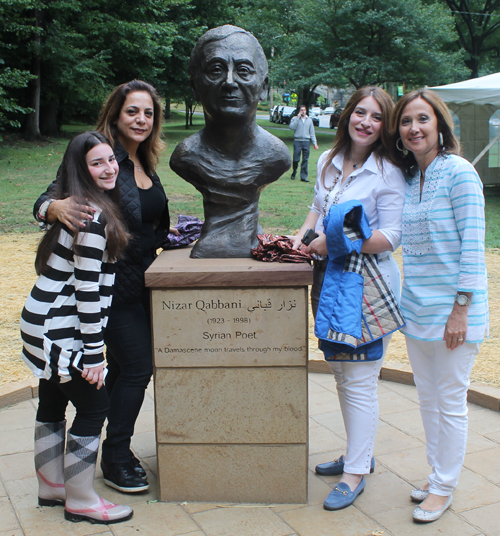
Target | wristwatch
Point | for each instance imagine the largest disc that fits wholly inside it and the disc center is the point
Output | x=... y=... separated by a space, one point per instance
x=462 y=299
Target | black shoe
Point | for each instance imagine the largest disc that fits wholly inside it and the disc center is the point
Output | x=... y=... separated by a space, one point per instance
x=293 y=176
x=122 y=476
x=304 y=180
x=136 y=464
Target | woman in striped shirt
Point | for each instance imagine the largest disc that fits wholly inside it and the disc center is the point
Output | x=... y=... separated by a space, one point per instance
x=62 y=327
x=444 y=297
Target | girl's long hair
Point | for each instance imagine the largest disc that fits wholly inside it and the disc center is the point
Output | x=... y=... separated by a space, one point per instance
x=342 y=143
x=451 y=145
x=74 y=180
x=149 y=150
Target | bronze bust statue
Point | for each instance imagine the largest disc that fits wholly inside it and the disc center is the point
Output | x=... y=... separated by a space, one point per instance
x=231 y=160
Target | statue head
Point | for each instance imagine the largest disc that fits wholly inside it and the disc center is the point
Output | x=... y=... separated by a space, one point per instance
x=229 y=73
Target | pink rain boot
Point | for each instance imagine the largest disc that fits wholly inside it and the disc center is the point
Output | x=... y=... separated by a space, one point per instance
x=82 y=502
x=49 y=462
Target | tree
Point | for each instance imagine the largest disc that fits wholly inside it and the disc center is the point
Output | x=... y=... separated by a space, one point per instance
x=77 y=51
x=478 y=27
x=362 y=42
x=11 y=79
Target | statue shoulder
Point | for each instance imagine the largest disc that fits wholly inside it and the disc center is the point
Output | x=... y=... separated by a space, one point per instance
x=186 y=150
x=273 y=146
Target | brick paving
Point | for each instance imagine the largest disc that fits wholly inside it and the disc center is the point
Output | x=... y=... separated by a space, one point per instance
x=383 y=510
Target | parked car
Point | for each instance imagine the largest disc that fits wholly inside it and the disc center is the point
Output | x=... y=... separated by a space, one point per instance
x=285 y=115
x=329 y=110
x=316 y=110
x=334 y=118
x=276 y=113
x=273 y=113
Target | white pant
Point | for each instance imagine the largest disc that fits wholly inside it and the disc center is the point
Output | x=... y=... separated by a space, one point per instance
x=442 y=380
x=357 y=391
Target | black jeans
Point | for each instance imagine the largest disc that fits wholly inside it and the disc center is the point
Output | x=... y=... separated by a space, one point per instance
x=319 y=269
x=130 y=366
x=91 y=404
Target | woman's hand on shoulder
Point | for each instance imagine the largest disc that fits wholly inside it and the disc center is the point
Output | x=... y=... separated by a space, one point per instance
x=70 y=212
x=94 y=375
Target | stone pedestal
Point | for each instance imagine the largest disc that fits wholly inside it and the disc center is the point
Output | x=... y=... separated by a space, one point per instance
x=230 y=353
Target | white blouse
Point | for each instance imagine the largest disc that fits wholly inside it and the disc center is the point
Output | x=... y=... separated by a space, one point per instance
x=379 y=187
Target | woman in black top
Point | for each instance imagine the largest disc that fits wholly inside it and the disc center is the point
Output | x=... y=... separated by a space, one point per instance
x=131 y=119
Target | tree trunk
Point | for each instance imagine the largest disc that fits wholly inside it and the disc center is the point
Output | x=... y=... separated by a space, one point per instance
x=187 y=106
x=167 y=112
x=49 y=118
x=32 y=129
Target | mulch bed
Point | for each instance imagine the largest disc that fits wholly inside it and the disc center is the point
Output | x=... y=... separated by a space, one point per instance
x=17 y=276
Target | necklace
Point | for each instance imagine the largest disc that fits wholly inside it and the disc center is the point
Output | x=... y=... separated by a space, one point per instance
x=338 y=194
x=137 y=166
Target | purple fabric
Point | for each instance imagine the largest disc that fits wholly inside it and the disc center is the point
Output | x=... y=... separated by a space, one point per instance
x=189 y=228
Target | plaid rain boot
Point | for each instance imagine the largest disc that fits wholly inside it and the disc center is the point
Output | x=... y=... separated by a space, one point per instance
x=82 y=502
x=49 y=462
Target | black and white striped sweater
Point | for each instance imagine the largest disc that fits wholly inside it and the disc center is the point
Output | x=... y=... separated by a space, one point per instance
x=64 y=317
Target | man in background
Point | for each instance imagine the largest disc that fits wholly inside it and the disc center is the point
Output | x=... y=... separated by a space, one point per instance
x=303 y=128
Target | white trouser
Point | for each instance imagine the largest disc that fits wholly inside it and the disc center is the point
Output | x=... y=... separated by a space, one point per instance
x=357 y=391
x=442 y=380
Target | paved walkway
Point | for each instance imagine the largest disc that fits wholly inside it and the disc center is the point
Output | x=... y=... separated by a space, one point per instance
x=384 y=509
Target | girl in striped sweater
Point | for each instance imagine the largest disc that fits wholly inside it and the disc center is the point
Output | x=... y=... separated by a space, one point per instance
x=62 y=327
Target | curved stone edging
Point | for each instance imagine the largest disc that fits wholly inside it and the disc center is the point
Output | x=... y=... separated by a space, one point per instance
x=481 y=394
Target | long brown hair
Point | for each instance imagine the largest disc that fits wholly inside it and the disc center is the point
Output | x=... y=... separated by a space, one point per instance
x=451 y=145
x=343 y=140
x=149 y=150
x=74 y=179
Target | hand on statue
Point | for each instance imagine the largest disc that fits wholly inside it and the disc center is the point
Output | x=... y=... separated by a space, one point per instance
x=296 y=241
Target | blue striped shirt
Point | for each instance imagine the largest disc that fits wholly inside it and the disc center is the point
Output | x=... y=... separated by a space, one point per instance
x=443 y=249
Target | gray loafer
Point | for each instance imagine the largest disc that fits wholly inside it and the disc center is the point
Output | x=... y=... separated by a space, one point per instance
x=336 y=467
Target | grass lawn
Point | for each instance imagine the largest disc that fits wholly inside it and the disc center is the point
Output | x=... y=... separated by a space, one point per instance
x=26 y=169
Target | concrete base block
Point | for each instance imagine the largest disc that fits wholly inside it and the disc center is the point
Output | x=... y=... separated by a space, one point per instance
x=233 y=473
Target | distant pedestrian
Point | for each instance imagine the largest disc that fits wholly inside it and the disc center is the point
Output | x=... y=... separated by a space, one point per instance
x=303 y=136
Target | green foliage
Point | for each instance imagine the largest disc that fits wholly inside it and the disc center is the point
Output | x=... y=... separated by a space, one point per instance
x=11 y=79
x=363 y=42
x=478 y=27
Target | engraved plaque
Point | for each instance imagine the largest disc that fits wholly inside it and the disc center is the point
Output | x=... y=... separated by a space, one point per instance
x=230 y=327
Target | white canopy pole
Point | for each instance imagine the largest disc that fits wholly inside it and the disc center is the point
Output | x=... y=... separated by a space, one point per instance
x=485 y=150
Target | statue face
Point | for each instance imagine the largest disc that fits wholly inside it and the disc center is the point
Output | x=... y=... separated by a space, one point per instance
x=229 y=84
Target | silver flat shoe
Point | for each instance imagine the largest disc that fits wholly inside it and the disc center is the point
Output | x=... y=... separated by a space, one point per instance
x=419 y=495
x=427 y=516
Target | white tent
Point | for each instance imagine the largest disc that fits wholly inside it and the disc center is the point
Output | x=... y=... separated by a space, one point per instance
x=475 y=101
x=484 y=90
